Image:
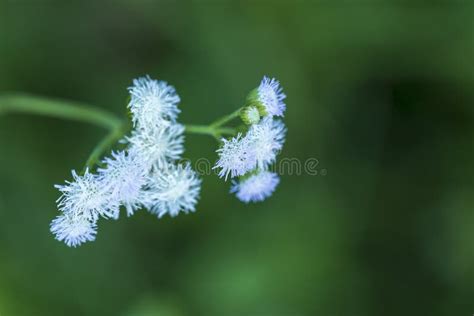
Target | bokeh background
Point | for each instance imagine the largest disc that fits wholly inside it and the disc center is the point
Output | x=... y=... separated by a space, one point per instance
x=380 y=92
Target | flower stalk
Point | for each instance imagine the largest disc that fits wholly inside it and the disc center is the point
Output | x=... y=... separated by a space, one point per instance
x=209 y=130
x=104 y=145
x=75 y=111
x=29 y=104
x=226 y=119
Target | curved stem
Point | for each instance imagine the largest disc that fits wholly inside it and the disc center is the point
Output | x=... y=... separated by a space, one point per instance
x=226 y=119
x=116 y=134
x=105 y=144
x=23 y=103
x=28 y=104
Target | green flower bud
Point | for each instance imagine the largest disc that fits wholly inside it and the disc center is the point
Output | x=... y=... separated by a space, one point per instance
x=250 y=115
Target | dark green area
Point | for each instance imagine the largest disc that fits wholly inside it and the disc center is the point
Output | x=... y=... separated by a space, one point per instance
x=380 y=92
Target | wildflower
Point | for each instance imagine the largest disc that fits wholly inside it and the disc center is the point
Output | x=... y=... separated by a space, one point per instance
x=152 y=102
x=256 y=187
x=157 y=147
x=266 y=139
x=73 y=230
x=236 y=157
x=123 y=179
x=172 y=190
x=85 y=196
x=268 y=97
x=145 y=173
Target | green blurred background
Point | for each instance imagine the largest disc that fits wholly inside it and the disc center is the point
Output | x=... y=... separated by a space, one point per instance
x=380 y=92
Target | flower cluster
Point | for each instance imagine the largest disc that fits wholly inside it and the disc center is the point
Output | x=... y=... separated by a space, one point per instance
x=145 y=174
x=249 y=156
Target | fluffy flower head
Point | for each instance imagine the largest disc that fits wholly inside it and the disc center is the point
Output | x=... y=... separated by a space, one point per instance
x=173 y=190
x=73 y=230
x=236 y=157
x=159 y=146
x=271 y=95
x=152 y=102
x=85 y=196
x=256 y=187
x=266 y=139
x=123 y=178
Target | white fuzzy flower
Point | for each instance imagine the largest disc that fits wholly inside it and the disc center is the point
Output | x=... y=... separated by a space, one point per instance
x=236 y=157
x=172 y=190
x=266 y=139
x=123 y=178
x=158 y=147
x=271 y=95
x=256 y=187
x=152 y=102
x=73 y=230
x=85 y=196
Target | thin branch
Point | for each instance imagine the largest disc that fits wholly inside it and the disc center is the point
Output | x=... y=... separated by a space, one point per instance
x=209 y=130
x=226 y=119
x=199 y=129
x=105 y=144
x=28 y=104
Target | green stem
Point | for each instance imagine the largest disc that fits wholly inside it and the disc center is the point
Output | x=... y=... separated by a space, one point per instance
x=226 y=119
x=28 y=104
x=23 y=103
x=199 y=129
x=105 y=144
x=209 y=130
